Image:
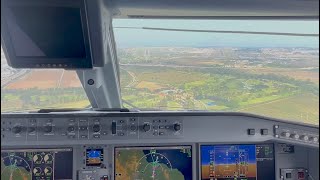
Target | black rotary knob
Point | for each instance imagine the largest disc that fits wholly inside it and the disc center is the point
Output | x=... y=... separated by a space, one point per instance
x=48 y=129
x=31 y=129
x=96 y=128
x=177 y=127
x=146 y=127
x=16 y=129
x=133 y=128
x=70 y=128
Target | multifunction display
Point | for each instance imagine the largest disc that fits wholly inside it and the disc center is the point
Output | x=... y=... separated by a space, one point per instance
x=36 y=164
x=163 y=163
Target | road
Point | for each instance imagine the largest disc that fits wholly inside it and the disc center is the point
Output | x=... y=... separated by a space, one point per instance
x=14 y=77
x=133 y=76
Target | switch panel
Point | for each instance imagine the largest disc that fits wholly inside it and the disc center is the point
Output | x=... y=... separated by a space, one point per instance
x=90 y=128
x=294 y=174
x=297 y=135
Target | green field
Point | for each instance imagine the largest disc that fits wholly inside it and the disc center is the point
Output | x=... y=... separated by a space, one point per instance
x=191 y=79
x=225 y=90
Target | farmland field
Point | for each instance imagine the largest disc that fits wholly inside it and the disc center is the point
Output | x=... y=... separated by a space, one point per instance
x=264 y=81
x=185 y=78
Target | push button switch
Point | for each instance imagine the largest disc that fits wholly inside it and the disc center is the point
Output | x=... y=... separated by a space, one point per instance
x=264 y=132
x=251 y=132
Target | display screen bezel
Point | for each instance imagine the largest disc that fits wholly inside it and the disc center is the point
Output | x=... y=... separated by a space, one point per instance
x=62 y=149
x=43 y=62
x=193 y=151
x=224 y=144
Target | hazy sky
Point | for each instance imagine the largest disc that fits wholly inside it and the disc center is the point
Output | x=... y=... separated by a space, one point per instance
x=140 y=38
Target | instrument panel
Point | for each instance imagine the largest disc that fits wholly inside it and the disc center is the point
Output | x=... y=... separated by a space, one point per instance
x=156 y=146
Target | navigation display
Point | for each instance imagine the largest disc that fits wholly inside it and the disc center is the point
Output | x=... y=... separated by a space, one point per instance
x=237 y=162
x=36 y=164
x=154 y=163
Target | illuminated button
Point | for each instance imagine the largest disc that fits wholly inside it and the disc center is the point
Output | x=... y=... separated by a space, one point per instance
x=121 y=134
x=96 y=136
x=132 y=119
x=161 y=133
x=83 y=128
x=84 y=136
x=155 y=133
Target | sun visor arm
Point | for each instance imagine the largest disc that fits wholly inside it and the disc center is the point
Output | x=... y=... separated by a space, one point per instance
x=102 y=83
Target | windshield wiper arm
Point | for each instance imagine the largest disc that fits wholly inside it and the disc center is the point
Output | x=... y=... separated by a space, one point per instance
x=84 y=109
x=223 y=31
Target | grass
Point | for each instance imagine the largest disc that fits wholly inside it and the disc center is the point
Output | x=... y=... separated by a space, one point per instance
x=300 y=108
x=148 y=85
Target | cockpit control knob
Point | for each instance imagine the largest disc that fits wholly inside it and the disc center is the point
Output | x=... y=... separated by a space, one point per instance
x=285 y=134
x=314 y=139
x=48 y=129
x=295 y=136
x=304 y=137
x=96 y=128
x=31 y=129
x=146 y=127
x=177 y=127
x=16 y=129
x=71 y=128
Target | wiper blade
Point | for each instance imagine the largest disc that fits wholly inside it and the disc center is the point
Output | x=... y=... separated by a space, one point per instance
x=79 y=109
x=222 y=31
x=59 y=110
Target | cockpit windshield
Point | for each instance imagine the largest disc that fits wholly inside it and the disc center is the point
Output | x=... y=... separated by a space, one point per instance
x=263 y=67
x=30 y=90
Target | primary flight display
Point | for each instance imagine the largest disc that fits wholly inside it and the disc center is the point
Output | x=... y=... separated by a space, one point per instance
x=250 y=162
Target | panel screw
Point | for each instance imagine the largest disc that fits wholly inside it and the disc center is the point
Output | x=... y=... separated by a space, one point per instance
x=90 y=81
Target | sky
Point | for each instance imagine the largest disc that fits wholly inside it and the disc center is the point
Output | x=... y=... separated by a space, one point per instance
x=155 y=38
